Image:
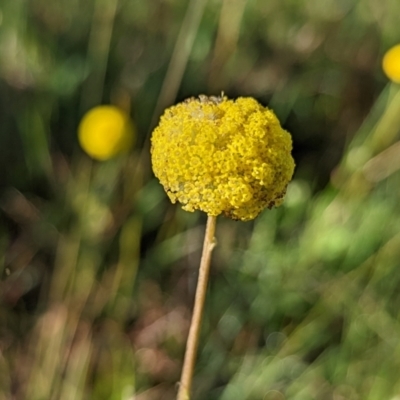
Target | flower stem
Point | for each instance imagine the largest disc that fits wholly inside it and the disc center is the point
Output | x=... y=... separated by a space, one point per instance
x=194 y=331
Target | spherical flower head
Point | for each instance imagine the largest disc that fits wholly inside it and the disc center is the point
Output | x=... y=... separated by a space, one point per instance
x=391 y=63
x=222 y=156
x=105 y=131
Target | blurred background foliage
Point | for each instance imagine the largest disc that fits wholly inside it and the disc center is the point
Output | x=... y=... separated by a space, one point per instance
x=98 y=269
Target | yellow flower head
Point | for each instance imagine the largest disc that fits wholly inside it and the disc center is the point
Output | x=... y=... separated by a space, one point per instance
x=391 y=63
x=104 y=132
x=222 y=156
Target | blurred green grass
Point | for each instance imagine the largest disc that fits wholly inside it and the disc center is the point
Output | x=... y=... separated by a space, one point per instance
x=98 y=269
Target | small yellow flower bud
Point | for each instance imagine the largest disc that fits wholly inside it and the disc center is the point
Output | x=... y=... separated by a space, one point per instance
x=222 y=156
x=104 y=132
x=391 y=63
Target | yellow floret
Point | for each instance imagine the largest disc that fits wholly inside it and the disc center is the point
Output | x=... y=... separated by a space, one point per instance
x=222 y=156
x=391 y=63
x=104 y=132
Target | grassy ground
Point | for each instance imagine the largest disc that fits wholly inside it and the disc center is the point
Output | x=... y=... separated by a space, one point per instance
x=98 y=269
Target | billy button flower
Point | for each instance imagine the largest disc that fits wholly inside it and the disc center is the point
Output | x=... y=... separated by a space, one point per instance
x=222 y=157
x=105 y=131
x=391 y=63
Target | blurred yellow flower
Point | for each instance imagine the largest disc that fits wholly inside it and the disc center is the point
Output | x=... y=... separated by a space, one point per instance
x=105 y=131
x=391 y=63
x=222 y=156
